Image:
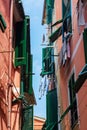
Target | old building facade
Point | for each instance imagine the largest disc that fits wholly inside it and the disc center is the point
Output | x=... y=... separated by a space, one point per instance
x=68 y=35
x=16 y=92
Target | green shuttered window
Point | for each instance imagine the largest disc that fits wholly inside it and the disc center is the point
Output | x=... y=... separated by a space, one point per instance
x=49 y=15
x=66 y=15
x=51 y=108
x=47 y=61
x=27 y=123
x=30 y=75
x=26 y=78
x=72 y=94
x=50 y=3
x=20 y=47
x=49 y=10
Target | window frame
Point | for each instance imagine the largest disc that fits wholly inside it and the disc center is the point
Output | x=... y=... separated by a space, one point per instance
x=72 y=97
x=66 y=16
x=21 y=44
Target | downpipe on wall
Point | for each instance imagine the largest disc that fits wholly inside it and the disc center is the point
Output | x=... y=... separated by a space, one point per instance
x=10 y=69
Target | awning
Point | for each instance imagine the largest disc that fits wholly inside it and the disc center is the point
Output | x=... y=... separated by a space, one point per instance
x=56 y=34
x=18 y=13
x=26 y=98
x=81 y=79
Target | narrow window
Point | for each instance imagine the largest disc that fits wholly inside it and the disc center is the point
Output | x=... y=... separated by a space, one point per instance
x=72 y=94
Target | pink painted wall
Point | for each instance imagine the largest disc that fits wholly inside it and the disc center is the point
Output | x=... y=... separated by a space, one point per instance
x=4 y=76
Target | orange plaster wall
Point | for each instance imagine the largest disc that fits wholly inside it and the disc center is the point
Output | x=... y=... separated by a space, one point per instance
x=75 y=64
x=4 y=46
x=38 y=123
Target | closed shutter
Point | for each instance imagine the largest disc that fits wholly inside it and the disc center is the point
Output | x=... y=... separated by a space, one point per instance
x=20 y=47
x=49 y=10
x=51 y=107
x=27 y=118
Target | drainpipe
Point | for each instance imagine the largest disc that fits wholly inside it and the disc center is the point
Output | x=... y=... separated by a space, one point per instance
x=10 y=68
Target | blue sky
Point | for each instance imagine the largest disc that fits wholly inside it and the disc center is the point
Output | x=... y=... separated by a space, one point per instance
x=35 y=9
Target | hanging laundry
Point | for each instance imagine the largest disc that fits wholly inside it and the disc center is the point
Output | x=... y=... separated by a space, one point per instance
x=64 y=51
x=68 y=40
x=43 y=86
x=81 y=15
x=68 y=49
x=81 y=19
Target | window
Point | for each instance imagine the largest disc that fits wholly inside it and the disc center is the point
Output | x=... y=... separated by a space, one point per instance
x=20 y=45
x=51 y=109
x=49 y=9
x=26 y=65
x=66 y=15
x=72 y=94
x=85 y=43
x=27 y=121
x=47 y=61
x=2 y=23
x=26 y=76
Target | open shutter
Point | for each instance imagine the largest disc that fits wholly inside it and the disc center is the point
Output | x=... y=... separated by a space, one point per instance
x=20 y=47
x=49 y=9
x=30 y=75
x=47 y=61
x=27 y=118
x=49 y=15
x=66 y=15
x=2 y=23
x=85 y=43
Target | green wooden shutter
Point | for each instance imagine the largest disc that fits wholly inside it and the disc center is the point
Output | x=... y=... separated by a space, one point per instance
x=63 y=9
x=20 y=47
x=27 y=118
x=30 y=74
x=49 y=15
x=85 y=43
x=66 y=8
x=27 y=74
x=50 y=3
x=49 y=10
x=51 y=107
x=47 y=61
